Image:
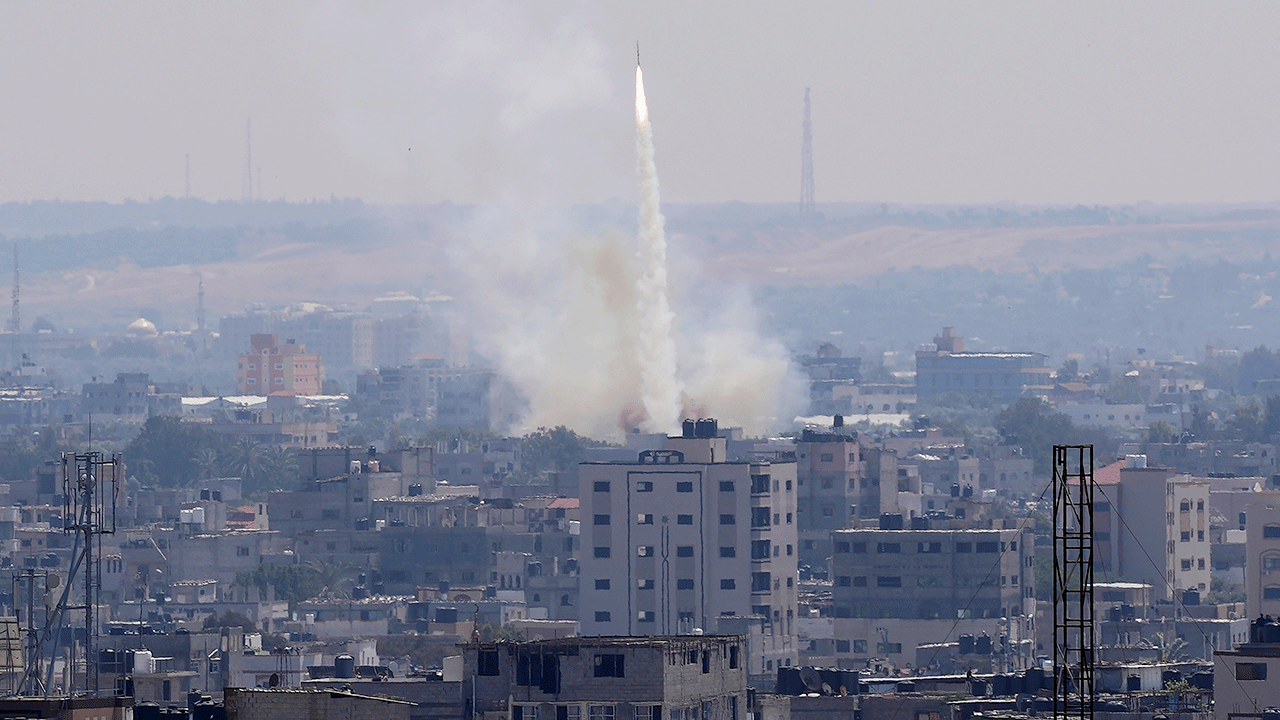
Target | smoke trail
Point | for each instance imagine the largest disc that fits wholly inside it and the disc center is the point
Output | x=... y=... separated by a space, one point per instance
x=659 y=387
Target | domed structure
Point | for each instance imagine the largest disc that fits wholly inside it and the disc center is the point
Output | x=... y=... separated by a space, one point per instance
x=142 y=327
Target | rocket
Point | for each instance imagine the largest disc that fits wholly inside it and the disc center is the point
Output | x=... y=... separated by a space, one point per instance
x=637 y=53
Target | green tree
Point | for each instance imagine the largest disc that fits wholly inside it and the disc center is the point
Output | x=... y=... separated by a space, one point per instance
x=1160 y=432
x=1246 y=423
x=293 y=583
x=1033 y=425
x=1125 y=391
x=165 y=451
x=1257 y=364
x=336 y=579
x=1069 y=372
x=558 y=449
x=230 y=618
x=1201 y=424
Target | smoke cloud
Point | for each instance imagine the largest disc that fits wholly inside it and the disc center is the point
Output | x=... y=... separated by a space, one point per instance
x=581 y=315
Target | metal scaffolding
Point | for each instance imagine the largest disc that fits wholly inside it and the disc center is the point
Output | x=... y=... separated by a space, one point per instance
x=1073 y=630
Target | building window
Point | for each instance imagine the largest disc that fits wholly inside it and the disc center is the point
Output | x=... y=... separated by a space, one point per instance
x=684 y=487
x=684 y=551
x=844 y=581
x=929 y=548
x=860 y=581
x=728 y=551
x=600 y=486
x=761 y=582
x=644 y=616
x=1271 y=531
x=602 y=551
x=988 y=547
x=889 y=648
x=602 y=583
x=827 y=457
x=728 y=584
x=644 y=551
x=524 y=712
x=487 y=663
x=728 y=520
x=1271 y=593
x=684 y=584
x=242 y=551
x=602 y=616
x=725 y=486
x=1186 y=537
x=644 y=486
x=888 y=547
x=684 y=519
x=644 y=584
x=889 y=581
x=601 y=519
x=964 y=547
x=1251 y=671
x=1186 y=564
x=568 y=712
x=858 y=548
x=602 y=712
x=759 y=517
x=860 y=646
x=644 y=519
x=608 y=665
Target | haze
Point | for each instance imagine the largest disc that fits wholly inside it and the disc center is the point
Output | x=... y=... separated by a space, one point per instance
x=913 y=102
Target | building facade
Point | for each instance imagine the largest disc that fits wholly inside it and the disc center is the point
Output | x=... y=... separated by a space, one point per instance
x=680 y=539
x=272 y=367
x=999 y=375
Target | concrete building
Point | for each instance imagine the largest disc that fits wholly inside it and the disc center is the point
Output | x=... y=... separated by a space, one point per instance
x=828 y=472
x=1173 y=533
x=1244 y=678
x=1001 y=376
x=1262 y=554
x=271 y=367
x=930 y=580
x=608 y=678
x=680 y=539
x=132 y=397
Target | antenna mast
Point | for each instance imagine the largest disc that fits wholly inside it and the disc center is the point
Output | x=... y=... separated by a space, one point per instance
x=15 y=321
x=806 y=164
x=246 y=187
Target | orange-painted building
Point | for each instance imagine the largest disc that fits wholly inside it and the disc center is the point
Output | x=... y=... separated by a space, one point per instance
x=271 y=368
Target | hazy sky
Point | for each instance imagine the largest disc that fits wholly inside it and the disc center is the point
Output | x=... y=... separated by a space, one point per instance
x=1105 y=102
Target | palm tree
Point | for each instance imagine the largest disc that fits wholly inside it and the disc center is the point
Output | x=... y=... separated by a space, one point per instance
x=244 y=459
x=1170 y=649
x=335 y=578
x=206 y=459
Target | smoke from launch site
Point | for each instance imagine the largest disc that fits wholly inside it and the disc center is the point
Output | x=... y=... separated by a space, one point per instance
x=586 y=319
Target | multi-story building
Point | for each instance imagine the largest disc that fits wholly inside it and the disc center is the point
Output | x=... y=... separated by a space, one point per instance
x=1161 y=542
x=132 y=396
x=680 y=539
x=271 y=367
x=343 y=338
x=602 y=678
x=1262 y=554
x=894 y=589
x=998 y=375
x=828 y=470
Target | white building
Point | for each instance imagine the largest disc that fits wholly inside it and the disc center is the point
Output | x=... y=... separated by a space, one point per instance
x=680 y=539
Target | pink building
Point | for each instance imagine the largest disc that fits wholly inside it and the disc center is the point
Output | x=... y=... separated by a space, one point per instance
x=270 y=368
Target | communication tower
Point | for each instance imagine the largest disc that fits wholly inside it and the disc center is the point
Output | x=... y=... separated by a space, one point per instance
x=1074 y=637
x=807 y=208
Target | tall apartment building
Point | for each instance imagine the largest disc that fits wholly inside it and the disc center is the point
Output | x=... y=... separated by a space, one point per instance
x=343 y=338
x=895 y=589
x=272 y=367
x=999 y=375
x=1164 y=536
x=681 y=540
x=828 y=470
x=1262 y=554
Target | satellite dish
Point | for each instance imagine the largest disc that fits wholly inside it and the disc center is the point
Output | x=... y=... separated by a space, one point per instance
x=811 y=678
x=52 y=580
x=274 y=681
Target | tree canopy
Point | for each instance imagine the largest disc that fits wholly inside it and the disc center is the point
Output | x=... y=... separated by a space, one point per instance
x=1033 y=425
x=558 y=449
x=171 y=453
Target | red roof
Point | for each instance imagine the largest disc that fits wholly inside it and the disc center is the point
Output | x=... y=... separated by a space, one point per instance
x=566 y=503
x=1108 y=474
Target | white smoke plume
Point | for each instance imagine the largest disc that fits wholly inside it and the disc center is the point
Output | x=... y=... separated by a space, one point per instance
x=519 y=108
x=659 y=386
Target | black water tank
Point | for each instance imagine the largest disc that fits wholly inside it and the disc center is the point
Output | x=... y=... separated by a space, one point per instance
x=919 y=522
x=146 y=711
x=966 y=644
x=687 y=430
x=344 y=666
x=359 y=592
x=1201 y=680
x=982 y=645
x=891 y=521
x=415 y=489
x=1190 y=597
x=999 y=685
x=362 y=524
x=1133 y=683
x=955 y=489
x=788 y=677
x=978 y=688
x=1169 y=676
